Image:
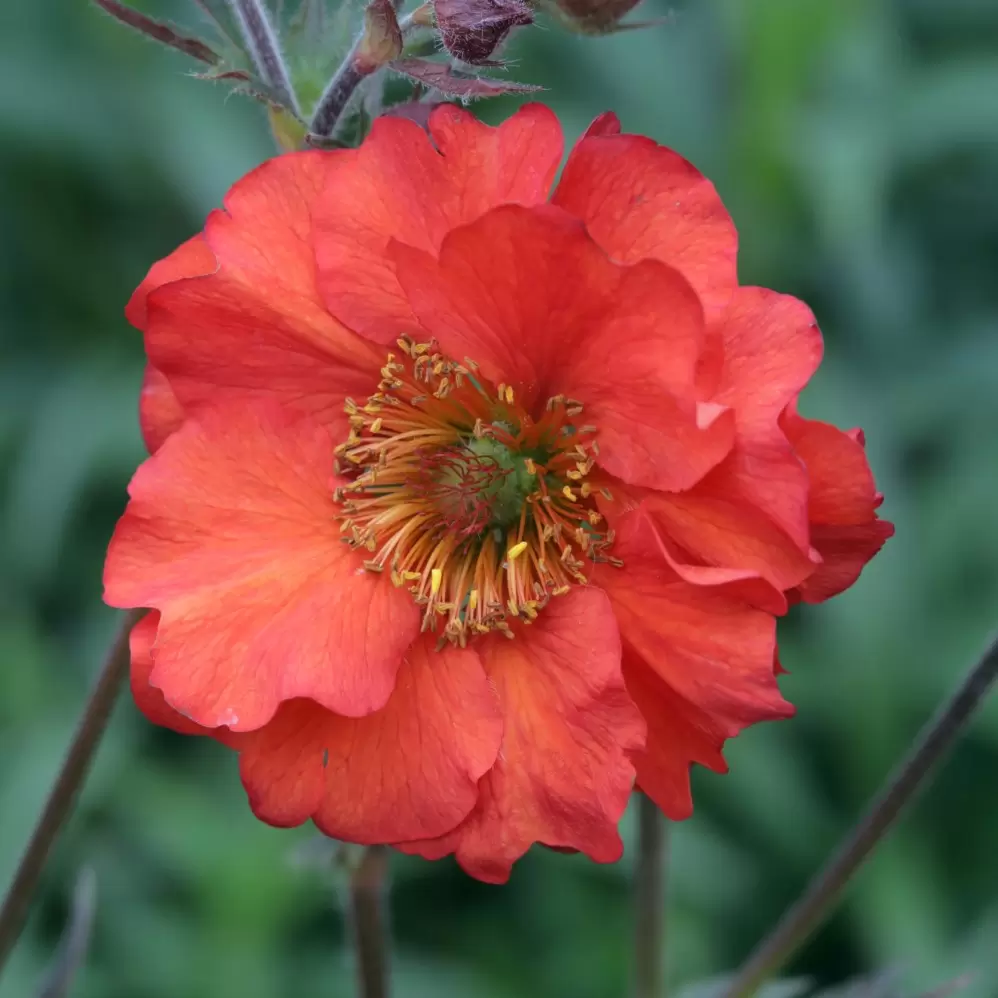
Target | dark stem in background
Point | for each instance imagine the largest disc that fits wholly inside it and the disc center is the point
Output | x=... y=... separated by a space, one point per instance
x=59 y=981
x=369 y=922
x=819 y=898
x=63 y=793
x=264 y=49
x=649 y=901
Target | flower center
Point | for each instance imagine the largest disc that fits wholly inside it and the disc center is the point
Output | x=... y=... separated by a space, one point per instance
x=481 y=510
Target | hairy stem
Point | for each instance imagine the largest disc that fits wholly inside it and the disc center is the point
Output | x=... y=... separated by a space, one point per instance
x=264 y=49
x=73 y=772
x=819 y=898
x=649 y=901
x=368 y=889
x=345 y=81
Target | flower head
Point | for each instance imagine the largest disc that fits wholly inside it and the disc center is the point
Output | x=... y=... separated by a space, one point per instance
x=471 y=505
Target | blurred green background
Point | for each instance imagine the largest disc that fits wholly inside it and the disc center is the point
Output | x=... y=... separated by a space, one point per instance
x=856 y=144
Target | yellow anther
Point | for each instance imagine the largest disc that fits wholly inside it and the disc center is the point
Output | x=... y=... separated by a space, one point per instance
x=436 y=577
x=376 y=425
x=530 y=466
x=473 y=600
x=411 y=576
x=509 y=394
x=516 y=550
x=568 y=494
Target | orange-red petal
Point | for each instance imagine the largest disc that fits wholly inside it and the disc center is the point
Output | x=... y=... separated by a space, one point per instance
x=529 y=297
x=159 y=411
x=718 y=527
x=679 y=734
x=404 y=184
x=408 y=771
x=193 y=258
x=710 y=645
x=231 y=534
x=771 y=347
x=148 y=698
x=843 y=502
x=640 y=201
x=563 y=776
x=257 y=327
x=160 y=414
x=698 y=658
x=768 y=348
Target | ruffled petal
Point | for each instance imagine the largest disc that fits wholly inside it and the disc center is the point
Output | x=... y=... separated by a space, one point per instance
x=159 y=411
x=231 y=534
x=404 y=184
x=679 y=734
x=845 y=552
x=408 y=771
x=845 y=529
x=640 y=201
x=191 y=259
x=160 y=414
x=562 y=777
x=528 y=296
x=257 y=327
x=712 y=526
x=698 y=659
x=148 y=698
x=713 y=648
x=771 y=347
x=768 y=346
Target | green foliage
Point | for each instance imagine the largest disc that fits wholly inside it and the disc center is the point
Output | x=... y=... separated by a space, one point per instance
x=856 y=143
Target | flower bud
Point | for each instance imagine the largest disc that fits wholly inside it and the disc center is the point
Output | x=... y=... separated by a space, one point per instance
x=382 y=38
x=592 y=17
x=472 y=30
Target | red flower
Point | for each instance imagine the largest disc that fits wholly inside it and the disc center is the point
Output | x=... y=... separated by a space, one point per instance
x=468 y=508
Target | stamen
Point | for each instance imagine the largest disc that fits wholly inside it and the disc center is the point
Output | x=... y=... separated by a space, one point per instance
x=482 y=509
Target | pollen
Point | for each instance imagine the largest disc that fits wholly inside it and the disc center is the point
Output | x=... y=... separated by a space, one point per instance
x=479 y=505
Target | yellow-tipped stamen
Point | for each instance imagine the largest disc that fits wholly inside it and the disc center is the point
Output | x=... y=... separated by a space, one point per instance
x=482 y=510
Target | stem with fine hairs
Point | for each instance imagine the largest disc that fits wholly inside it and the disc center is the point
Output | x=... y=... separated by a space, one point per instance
x=72 y=773
x=649 y=901
x=345 y=81
x=368 y=890
x=818 y=900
